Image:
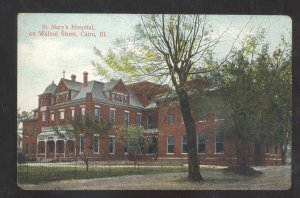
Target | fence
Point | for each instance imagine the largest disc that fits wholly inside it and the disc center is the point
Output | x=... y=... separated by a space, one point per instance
x=83 y=168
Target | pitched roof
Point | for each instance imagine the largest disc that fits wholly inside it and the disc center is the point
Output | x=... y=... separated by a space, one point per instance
x=73 y=85
x=110 y=85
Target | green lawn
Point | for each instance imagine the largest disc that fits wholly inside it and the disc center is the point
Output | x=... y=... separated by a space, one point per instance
x=38 y=174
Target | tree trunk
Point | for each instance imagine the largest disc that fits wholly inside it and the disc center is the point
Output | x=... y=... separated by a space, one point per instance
x=257 y=154
x=283 y=154
x=87 y=164
x=193 y=162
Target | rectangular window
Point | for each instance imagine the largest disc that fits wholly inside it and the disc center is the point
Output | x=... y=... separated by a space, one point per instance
x=126 y=119
x=96 y=144
x=62 y=115
x=202 y=116
x=112 y=115
x=81 y=144
x=97 y=113
x=72 y=113
x=139 y=120
x=152 y=146
x=41 y=147
x=43 y=116
x=170 y=144
x=149 y=122
x=60 y=145
x=220 y=142
x=33 y=148
x=26 y=149
x=184 y=144
x=83 y=111
x=201 y=143
x=34 y=129
x=170 y=118
x=52 y=116
x=112 y=145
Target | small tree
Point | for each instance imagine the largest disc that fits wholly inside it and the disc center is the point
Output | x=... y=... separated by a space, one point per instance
x=24 y=115
x=87 y=125
x=134 y=138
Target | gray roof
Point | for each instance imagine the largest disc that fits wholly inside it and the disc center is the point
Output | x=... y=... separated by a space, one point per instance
x=110 y=85
x=50 y=88
x=97 y=89
x=73 y=85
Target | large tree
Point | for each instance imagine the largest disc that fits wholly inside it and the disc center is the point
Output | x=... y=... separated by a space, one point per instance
x=255 y=86
x=170 y=49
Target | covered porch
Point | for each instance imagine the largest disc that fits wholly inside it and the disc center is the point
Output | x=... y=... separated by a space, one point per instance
x=56 y=143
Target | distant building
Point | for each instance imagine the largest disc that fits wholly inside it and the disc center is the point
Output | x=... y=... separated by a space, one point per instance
x=136 y=104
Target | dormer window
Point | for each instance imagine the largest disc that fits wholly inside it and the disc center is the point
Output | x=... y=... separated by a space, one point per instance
x=62 y=97
x=120 y=97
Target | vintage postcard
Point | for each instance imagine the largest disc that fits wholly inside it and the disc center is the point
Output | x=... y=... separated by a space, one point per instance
x=154 y=102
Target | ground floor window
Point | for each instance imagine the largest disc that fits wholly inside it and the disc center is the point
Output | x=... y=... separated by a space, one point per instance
x=96 y=144
x=170 y=144
x=220 y=142
x=60 y=146
x=201 y=143
x=41 y=147
x=151 y=146
x=33 y=148
x=112 y=141
x=26 y=148
x=184 y=144
x=50 y=147
x=81 y=144
x=70 y=146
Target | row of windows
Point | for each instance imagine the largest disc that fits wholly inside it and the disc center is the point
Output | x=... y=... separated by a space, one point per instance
x=151 y=149
x=32 y=149
x=118 y=97
x=219 y=144
x=112 y=115
x=30 y=131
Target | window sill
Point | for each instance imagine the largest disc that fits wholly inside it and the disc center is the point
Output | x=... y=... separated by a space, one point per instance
x=170 y=153
x=97 y=153
x=184 y=153
x=219 y=153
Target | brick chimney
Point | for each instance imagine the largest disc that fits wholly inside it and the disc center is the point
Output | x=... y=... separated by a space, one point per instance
x=85 y=79
x=73 y=77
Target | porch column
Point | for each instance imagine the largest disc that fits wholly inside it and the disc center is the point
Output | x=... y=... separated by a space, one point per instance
x=55 y=149
x=65 y=149
x=45 y=149
x=75 y=148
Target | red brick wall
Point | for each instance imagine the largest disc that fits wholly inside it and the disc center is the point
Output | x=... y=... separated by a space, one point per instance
x=29 y=137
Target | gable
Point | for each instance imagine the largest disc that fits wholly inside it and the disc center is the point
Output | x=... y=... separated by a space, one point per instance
x=61 y=87
x=120 y=87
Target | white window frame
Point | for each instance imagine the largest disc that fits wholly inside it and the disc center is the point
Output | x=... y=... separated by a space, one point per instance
x=61 y=114
x=182 y=144
x=168 y=145
x=52 y=115
x=139 y=124
x=198 y=138
x=112 y=110
x=81 y=149
x=98 y=136
x=43 y=116
x=114 y=144
x=82 y=110
x=219 y=142
x=127 y=113
x=97 y=107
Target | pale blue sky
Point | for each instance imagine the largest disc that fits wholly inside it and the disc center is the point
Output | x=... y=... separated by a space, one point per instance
x=42 y=59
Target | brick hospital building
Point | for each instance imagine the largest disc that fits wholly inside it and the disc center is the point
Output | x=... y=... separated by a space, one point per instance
x=132 y=104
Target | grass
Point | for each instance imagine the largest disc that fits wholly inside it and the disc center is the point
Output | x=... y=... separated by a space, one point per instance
x=40 y=174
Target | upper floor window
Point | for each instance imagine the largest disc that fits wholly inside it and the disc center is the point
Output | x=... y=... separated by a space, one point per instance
x=112 y=115
x=126 y=118
x=97 y=113
x=52 y=116
x=170 y=118
x=43 y=116
x=82 y=110
x=34 y=129
x=120 y=97
x=202 y=116
x=139 y=120
x=149 y=121
x=62 y=114
x=62 y=97
x=72 y=113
